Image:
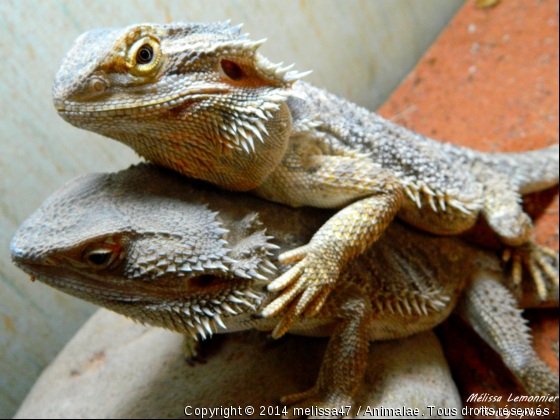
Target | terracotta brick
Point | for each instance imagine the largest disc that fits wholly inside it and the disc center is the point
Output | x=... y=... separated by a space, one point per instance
x=490 y=82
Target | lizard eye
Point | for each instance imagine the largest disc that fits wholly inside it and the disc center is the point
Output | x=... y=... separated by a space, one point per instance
x=145 y=54
x=144 y=57
x=101 y=256
x=231 y=69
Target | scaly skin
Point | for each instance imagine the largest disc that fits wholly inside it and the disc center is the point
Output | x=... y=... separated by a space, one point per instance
x=182 y=256
x=199 y=99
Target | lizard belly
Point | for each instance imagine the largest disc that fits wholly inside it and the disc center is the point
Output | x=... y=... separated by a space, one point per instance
x=393 y=327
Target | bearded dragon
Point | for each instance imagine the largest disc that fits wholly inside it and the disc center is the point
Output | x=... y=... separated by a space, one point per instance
x=200 y=99
x=171 y=252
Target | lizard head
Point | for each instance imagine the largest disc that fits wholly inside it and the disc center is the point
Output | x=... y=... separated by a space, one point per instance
x=198 y=98
x=158 y=256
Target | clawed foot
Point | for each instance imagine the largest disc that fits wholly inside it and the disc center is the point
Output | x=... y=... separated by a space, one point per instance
x=319 y=404
x=192 y=350
x=306 y=286
x=542 y=263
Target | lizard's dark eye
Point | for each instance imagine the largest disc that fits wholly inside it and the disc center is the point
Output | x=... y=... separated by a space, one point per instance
x=145 y=54
x=102 y=257
x=99 y=259
x=232 y=70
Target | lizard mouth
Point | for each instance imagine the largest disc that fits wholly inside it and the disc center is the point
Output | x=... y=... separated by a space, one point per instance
x=196 y=305
x=121 y=107
x=114 y=289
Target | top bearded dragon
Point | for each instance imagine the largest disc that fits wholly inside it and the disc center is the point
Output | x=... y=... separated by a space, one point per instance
x=200 y=99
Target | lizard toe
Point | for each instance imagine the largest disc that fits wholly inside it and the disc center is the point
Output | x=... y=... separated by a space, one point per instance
x=192 y=351
x=307 y=286
x=541 y=263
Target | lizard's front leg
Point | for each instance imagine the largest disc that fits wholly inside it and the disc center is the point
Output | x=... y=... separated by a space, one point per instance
x=345 y=359
x=192 y=350
x=322 y=180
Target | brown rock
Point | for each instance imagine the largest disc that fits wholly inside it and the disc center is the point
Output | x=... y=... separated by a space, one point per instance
x=114 y=368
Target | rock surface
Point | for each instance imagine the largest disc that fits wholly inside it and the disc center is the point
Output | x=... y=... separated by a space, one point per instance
x=114 y=368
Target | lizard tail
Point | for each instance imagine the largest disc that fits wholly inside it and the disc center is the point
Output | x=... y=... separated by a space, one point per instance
x=532 y=171
x=491 y=309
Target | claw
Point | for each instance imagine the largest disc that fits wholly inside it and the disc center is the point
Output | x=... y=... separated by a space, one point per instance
x=295 y=398
x=548 y=268
x=538 y=279
x=548 y=252
x=305 y=286
x=308 y=296
x=316 y=399
x=282 y=301
x=315 y=307
x=535 y=258
x=287 y=278
x=191 y=351
x=285 y=323
x=295 y=311
x=506 y=255
x=517 y=272
x=294 y=255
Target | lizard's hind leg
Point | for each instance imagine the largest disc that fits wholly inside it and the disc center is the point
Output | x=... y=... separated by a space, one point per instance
x=504 y=213
x=542 y=263
x=490 y=308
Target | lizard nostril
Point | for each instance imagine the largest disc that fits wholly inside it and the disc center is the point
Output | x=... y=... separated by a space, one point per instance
x=17 y=253
x=50 y=261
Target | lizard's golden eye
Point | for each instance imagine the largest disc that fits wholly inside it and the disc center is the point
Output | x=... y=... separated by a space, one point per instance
x=101 y=256
x=232 y=70
x=145 y=54
x=144 y=58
